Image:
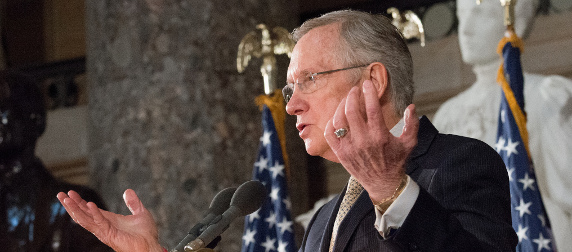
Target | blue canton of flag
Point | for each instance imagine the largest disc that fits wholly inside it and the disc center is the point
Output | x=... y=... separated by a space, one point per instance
x=528 y=215
x=270 y=228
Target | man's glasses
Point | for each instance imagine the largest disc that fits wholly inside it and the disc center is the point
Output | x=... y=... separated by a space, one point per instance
x=308 y=83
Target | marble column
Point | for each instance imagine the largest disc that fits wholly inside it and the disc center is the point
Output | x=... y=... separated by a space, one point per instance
x=169 y=116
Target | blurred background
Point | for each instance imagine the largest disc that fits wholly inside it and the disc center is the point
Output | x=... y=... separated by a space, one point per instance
x=146 y=95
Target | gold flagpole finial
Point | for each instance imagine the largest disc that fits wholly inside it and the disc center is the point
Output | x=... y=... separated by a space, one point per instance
x=265 y=43
x=508 y=13
x=508 y=20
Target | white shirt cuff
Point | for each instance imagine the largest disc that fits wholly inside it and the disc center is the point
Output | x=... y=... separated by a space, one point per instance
x=398 y=210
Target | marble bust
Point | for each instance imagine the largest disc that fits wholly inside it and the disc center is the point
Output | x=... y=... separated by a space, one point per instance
x=548 y=104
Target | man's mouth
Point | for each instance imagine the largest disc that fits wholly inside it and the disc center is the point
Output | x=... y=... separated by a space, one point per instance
x=301 y=127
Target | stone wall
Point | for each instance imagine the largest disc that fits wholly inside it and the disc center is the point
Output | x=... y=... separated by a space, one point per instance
x=168 y=114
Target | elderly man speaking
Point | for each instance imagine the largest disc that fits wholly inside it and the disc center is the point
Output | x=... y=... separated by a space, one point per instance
x=411 y=189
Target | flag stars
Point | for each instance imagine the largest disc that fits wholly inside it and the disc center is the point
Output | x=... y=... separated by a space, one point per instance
x=265 y=138
x=521 y=233
x=248 y=238
x=527 y=182
x=287 y=203
x=503 y=116
x=511 y=148
x=510 y=172
x=268 y=244
x=274 y=194
x=271 y=219
x=499 y=146
x=542 y=243
x=254 y=216
x=261 y=164
x=523 y=208
x=282 y=246
x=542 y=220
x=285 y=225
x=277 y=169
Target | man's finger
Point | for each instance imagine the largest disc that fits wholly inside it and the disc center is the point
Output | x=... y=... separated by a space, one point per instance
x=132 y=201
x=62 y=198
x=77 y=214
x=331 y=137
x=356 y=120
x=411 y=127
x=375 y=120
x=102 y=228
x=78 y=200
x=339 y=120
x=98 y=219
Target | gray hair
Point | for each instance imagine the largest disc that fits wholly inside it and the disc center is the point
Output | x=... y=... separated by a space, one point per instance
x=368 y=38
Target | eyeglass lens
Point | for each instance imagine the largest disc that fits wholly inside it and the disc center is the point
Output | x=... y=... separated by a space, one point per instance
x=287 y=92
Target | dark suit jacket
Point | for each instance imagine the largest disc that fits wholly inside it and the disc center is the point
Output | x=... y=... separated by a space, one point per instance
x=463 y=204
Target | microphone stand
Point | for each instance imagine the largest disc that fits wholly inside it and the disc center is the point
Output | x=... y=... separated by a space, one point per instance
x=199 y=250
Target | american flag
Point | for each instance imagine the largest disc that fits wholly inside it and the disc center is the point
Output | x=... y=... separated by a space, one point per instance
x=529 y=218
x=270 y=228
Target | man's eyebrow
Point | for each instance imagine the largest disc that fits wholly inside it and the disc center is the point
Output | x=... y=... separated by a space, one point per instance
x=300 y=72
x=313 y=69
x=292 y=74
x=290 y=77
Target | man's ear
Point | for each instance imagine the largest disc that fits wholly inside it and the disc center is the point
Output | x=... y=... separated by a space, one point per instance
x=379 y=77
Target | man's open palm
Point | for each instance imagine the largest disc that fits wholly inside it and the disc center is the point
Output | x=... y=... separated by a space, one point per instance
x=123 y=233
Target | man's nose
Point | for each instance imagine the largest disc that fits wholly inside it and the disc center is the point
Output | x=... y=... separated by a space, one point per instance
x=296 y=105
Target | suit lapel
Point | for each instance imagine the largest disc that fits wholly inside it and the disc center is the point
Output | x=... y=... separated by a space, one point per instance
x=333 y=212
x=359 y=210
x=425 y=136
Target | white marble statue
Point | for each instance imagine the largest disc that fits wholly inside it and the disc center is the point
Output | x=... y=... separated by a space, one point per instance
x=548 y=103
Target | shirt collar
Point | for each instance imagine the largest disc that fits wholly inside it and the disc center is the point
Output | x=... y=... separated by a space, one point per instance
x=398 y=128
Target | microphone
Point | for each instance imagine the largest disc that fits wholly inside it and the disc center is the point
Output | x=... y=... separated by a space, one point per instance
x=219 y=204
x=248 y=198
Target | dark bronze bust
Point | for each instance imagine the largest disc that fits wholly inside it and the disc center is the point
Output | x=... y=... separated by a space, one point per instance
x=32 y=219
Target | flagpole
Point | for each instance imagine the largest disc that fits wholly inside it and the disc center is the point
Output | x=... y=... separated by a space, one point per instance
x=529 y=219
x=509 y=13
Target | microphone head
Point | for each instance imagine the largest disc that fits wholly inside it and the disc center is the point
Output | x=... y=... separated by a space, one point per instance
x=221 y=201
x=249 y=197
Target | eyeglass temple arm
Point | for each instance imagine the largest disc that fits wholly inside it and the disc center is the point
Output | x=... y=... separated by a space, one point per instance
x=336 y=70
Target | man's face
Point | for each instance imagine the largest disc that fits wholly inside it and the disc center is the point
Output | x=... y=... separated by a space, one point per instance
x=313 y=53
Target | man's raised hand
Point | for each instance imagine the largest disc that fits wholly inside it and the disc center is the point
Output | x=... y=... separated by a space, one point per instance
x=123 y=233
x=369 y=152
